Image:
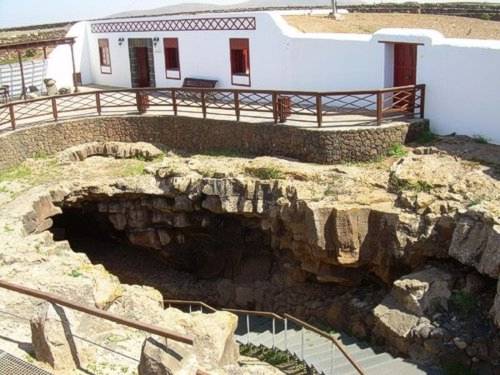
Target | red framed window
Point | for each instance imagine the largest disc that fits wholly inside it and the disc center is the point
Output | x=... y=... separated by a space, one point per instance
x=104 y=56
x=240 y=61
x=172 y=61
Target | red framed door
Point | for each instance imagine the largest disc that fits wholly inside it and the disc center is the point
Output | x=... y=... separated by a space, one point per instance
x=405 y=73
x=142 y=66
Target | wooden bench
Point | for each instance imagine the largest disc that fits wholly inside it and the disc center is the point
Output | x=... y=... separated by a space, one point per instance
x=199 y=83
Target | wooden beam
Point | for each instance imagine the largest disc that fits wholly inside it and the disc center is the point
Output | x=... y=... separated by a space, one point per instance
x=23 y=83
x=36 y=44
x=75 y=83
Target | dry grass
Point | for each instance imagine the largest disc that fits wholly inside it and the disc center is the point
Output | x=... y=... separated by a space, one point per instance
x=367 y=23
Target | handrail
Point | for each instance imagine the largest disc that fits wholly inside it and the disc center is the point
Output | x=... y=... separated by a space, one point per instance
x=187 y=302
x=329 y=337
x=282 y=103
x=255 y=313
x=49 y=297
x=283 y=318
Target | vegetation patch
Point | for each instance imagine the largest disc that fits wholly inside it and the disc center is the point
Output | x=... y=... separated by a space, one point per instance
x=265 y=173
x=134 y=168
x=397 y=150
x=457 y=369
x=426 y=137
x=284 y=361
x=480 y=139
x=15 y=173
x=464 y=303
x=404 y=185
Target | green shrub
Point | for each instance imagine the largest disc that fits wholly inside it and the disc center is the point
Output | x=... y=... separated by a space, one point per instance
x=426 y=137
x=463 y=302
x=265 y=173
x=456 y=369
x=418 y=186
x=480 y=139
x=397 y=150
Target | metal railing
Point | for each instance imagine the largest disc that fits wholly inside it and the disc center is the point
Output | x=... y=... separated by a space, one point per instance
x=408 y=101
x=286 y=318
x=58 y=300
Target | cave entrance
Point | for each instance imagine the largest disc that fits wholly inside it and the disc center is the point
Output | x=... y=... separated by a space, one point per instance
x=144 y=241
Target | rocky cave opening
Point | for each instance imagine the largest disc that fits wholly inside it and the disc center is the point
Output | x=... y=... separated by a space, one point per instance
x=191 y=253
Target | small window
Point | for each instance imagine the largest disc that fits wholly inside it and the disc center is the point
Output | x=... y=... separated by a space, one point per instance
x=172 y=62
x=240 y=62
x=104 y=56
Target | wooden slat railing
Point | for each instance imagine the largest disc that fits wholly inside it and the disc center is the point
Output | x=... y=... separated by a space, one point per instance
x=379 y=104
x=58 y=300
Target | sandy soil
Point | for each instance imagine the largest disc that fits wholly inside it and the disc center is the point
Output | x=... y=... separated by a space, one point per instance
x=367 y=23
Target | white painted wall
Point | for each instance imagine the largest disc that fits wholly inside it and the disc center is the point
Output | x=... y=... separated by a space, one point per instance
x=59 y=61
x=462 y=76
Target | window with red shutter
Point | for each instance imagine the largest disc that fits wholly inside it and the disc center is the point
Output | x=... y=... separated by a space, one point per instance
x=172 y=61
x=104 y=56
x=240 y=61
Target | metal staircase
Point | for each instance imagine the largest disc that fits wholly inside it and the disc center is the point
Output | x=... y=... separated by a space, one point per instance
x=325 y=353
x=320 y=353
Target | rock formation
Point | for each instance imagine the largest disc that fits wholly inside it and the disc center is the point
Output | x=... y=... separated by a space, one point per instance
x=417 y=231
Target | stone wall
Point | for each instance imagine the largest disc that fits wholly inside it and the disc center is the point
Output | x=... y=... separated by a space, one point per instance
x=195 y=135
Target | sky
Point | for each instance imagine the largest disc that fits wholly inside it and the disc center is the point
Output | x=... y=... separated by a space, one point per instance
x=33 y=12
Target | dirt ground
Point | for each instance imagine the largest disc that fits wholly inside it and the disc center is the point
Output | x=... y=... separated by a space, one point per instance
x=367 y=23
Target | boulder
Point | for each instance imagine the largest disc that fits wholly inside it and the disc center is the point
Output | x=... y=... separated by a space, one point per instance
x=495 y=310
x=475 y=242
x=420 y=292
x=51 y=338
x=394 y=324
x=119 y=150
x=214 y=345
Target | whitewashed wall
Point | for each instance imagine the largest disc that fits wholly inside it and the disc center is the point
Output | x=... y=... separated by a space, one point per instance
x=463 y=83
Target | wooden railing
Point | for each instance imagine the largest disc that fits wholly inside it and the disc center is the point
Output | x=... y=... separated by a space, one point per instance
x=278 y=105
x=58 y=300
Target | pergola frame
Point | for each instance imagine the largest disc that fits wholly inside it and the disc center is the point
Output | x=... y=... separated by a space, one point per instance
x=44 y=44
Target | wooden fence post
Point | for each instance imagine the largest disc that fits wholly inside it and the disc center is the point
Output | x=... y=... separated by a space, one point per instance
x=98 y=102
x=422 y=101
x=380 y=107
x=203 y=105
x=237 y=105
x=12 y=116
x=54 y=108
x=174 y=102
x=319 y=110
x=275 y=107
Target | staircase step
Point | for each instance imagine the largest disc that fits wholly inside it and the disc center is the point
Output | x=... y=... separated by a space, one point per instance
x=366 y=364
x=401 y=366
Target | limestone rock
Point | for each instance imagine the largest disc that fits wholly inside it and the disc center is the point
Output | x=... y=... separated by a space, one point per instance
x=393 y=324
x=51 y=338
x=495 y=310
x=106 y=287
x=420 y=291
x=214 y=344
x=166 y=357
x=476 y=242
x=119 y=150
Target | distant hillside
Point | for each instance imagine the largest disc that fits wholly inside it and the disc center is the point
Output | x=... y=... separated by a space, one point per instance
x=252 y=4
x=486 y=9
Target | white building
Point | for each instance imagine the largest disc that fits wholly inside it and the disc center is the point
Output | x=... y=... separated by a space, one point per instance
x=261 y=51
